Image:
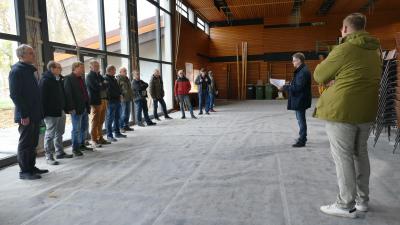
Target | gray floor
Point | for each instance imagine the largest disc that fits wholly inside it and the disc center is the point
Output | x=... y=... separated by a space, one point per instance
x=233 y=167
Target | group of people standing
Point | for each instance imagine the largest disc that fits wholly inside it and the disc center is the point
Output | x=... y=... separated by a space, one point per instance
x=207 y=91
x=107 y=98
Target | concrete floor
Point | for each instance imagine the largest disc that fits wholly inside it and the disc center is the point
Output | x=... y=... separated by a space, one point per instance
x=233 y=167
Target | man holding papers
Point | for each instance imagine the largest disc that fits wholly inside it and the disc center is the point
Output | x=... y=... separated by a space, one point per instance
x=299 y=92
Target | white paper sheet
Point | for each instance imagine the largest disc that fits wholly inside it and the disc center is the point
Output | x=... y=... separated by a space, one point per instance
x=277 y=82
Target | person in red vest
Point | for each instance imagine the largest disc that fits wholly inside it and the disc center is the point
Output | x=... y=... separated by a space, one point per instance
x=181 y=90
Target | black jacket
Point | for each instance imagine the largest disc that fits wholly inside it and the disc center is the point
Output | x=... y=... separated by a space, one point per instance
x=299 y=89
x=24 y=92
x=139 y=88
x=203 y=83
x=74 y=97
x=95 y=84
x=52 y=94
x=113 y=91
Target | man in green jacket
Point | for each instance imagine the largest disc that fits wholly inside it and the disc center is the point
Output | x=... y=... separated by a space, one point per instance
x=349 y=105
x=157 y=94
x=127 y=97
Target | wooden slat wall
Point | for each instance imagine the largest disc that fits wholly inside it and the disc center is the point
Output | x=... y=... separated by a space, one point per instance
x=261 y=40
x=192 y=42
x=223 y=40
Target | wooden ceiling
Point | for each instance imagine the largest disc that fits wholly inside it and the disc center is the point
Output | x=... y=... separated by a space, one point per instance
x=252 y=9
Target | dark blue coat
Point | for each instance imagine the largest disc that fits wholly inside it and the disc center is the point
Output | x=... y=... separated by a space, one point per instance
x=24 y=92
x=52 y=94
x=299 y=89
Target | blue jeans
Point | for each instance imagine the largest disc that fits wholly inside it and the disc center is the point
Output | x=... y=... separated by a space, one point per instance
x=79 y=129
x=301 y=120
x=112 y=118
x=141 y=105
x=125 y=114
x=203 y=100
x=211 y=99
x=163 y=106
x=185 y=99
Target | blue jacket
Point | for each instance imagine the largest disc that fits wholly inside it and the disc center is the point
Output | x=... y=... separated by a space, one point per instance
x=24 y=92
x=299 y=89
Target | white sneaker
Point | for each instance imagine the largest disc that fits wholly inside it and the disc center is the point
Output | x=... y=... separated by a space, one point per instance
x=362 y=207
x=95 y=145
x=336 y=211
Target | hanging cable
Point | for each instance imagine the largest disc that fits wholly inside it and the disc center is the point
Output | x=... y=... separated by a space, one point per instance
x=70 y=28
x=178 y=19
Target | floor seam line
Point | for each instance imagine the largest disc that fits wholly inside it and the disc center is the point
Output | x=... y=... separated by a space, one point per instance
x=283 y=193
x=194 y=173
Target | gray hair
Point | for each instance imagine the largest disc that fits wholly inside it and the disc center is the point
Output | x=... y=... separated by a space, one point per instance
x=52 y=64
x=357 y=21
x=21 y=50
x=110 y=67
x=93 y=61
x=299 y=56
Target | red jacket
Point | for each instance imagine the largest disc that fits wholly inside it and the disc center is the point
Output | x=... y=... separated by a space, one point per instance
x=182 y=86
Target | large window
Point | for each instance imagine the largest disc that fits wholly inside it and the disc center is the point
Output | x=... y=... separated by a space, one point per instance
x=165 y=4
x=9 y=38
x=166 y=38
x=116 y=26
x=201 y=24
x=7 y=59
x=7 y=17
x=182 y=9
x=118 y=62
x=155 y=43
x=147 y=22
x=84 y=19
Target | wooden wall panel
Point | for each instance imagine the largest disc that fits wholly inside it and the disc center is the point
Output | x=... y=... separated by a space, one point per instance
x=193 y=41
x=262 y=40
x=223 y=40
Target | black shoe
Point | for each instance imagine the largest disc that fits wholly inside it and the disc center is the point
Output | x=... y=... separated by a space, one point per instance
x=158 y=119
x=85 y=148
x=39 y=171
x=64 y=156
x=207 y=113
x=298 y=145
x=200 y=113
x=77 y=152
x=120 y=135
x=168 y=118
x=104 y=142
x=193 y=117
x=29 y=176
x=151 y=124
x=128 y=129
x=141 y=125
x=183 y=117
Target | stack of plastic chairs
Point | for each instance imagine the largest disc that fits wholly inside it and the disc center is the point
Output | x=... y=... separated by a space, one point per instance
x=387 y=117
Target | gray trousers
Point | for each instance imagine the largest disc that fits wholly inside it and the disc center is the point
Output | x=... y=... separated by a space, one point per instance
x=53 y=138
x=349 y=150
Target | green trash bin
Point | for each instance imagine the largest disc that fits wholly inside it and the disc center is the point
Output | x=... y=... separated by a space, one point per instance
x=268 y=91
x=260 y=89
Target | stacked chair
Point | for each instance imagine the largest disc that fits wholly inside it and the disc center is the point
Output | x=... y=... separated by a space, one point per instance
x=389 y=99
